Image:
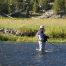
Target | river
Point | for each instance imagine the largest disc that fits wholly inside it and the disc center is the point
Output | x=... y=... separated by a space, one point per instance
x=25 y=54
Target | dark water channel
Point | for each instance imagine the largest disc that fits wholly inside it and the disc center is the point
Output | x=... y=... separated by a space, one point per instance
x=25 y=54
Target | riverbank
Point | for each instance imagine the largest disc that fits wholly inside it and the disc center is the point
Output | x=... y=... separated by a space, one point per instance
x=25 y=29
x=10 y=37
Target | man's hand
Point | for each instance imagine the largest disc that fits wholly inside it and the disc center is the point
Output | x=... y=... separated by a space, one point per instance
x=46 y=38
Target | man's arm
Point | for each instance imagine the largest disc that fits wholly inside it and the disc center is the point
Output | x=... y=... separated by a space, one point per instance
x=46 y=38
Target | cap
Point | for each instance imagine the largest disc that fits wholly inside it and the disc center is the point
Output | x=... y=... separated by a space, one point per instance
x=41 y=26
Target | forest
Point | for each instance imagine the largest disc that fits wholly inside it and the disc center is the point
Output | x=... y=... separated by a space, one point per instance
x=30 y=7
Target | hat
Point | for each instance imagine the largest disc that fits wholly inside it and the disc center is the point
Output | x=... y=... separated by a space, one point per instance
x=41 y=26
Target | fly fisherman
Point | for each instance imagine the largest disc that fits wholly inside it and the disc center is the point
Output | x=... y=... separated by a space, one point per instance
x=42 y=38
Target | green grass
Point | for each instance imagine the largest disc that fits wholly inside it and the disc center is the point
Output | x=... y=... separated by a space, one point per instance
x=6 y=37
x=54 y=28
x=10 y=37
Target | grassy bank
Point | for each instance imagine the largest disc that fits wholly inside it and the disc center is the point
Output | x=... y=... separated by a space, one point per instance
x=54 y=28
x=6 y=37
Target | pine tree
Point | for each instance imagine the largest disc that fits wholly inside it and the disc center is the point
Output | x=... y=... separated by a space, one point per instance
x=51 y=0
x=58 y=6
x=3 y=6
x=12 y=5
x=65 y=6
x=35 y=5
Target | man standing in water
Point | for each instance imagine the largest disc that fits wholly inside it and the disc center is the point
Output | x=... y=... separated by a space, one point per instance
x=42 y=38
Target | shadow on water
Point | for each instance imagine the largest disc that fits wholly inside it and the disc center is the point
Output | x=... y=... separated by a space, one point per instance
x=25 y=54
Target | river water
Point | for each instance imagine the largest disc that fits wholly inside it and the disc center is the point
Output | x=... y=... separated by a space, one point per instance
x=25 y=54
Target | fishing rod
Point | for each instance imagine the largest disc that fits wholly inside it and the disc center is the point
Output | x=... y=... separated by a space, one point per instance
x=56 y=46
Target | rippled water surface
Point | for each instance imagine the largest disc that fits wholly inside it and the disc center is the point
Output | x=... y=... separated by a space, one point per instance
x=25 y=54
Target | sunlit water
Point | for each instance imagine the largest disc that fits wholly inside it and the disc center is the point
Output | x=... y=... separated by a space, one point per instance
x=25 y=54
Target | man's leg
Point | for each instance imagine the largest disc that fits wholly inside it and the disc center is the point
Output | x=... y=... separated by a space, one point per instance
x=40 y=46
x=43 y=46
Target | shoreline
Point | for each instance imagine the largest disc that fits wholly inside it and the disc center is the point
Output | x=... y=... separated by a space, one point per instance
x=24 y=30
x=11 y=37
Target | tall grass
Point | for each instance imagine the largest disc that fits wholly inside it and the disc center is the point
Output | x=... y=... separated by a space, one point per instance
x=55 y=28
x=6 y=37
x=56 y=32
x=9 y=37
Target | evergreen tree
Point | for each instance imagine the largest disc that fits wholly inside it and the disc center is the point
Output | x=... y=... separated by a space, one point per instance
x=35 y=5
x=3 y=6
x=44 y=4
x=51 y=0
x=58 y=6
x=12 y=5
x=65 y=6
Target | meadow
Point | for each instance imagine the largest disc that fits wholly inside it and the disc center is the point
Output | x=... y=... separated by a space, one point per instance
x=54 y=28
